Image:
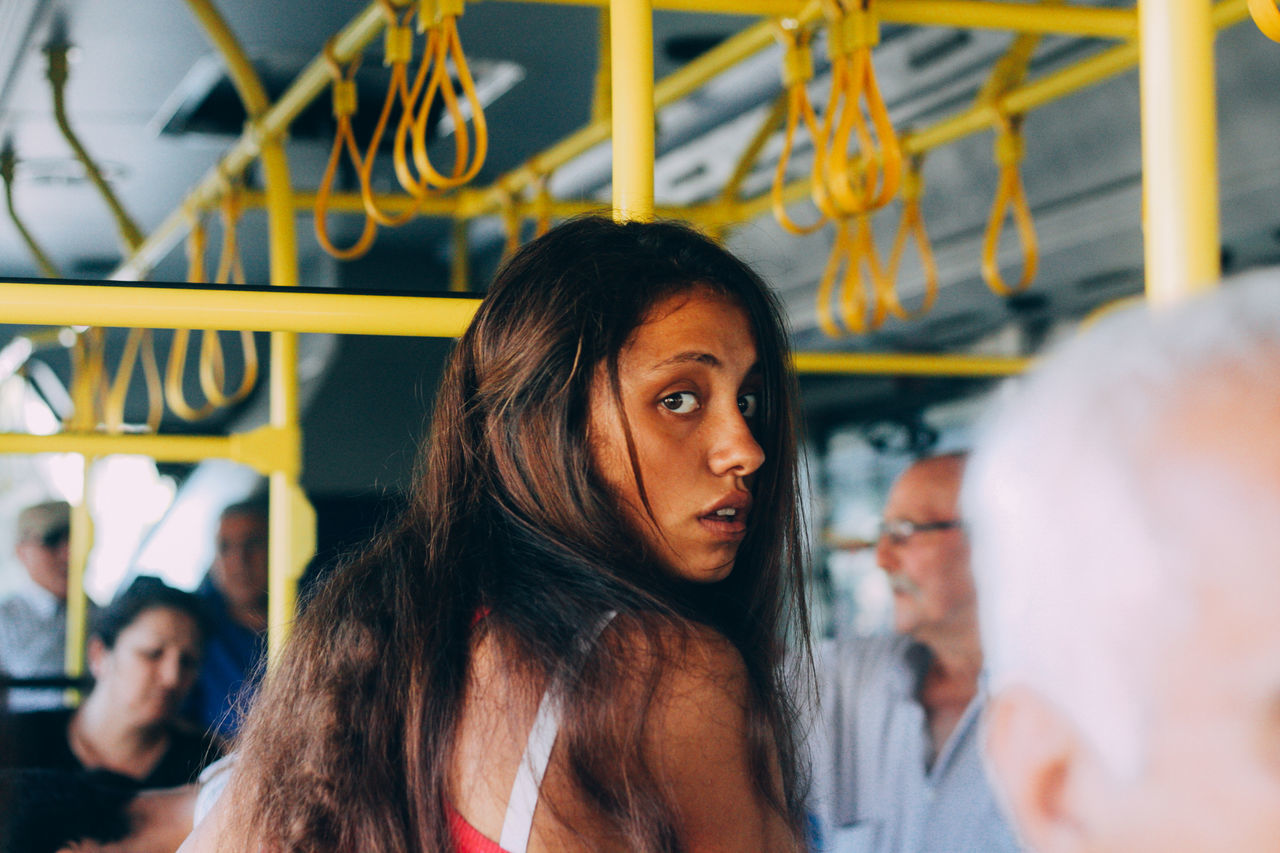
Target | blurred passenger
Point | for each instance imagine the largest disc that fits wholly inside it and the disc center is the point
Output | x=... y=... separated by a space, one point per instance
x=897 y=764
x=592 y=581
x=235 y=596
x=33 y=618
x=1125 y=510
x=144 y=652
x=61 y=810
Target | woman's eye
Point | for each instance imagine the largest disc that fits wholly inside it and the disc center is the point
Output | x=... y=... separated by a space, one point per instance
x=748 y=404
x=681 y=402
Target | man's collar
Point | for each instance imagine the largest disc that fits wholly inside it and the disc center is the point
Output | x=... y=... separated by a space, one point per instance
x=43 y=602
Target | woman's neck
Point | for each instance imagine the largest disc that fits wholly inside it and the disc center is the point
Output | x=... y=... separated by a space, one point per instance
x=100 y=738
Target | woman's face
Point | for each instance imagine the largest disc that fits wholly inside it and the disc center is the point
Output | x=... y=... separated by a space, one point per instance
x=152 y=666
x=690 y=386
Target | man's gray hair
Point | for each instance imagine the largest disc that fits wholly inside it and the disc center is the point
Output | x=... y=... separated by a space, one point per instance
x=1081 y=573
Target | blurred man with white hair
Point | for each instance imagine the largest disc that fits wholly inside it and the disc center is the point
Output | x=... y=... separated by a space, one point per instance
x=896 y=761
x=1124 y=509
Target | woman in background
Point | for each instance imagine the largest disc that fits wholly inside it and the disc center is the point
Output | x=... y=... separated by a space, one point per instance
x=144 y=651
x=573 y=638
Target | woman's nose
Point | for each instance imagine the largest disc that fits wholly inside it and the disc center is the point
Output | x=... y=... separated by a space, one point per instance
x=735 y=450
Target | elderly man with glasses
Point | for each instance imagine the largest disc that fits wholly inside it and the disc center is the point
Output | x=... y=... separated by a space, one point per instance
x=896 y=753
x=33 y=618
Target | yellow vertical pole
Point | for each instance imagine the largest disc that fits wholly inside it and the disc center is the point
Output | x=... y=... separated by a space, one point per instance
x=460 y=262
x=631 y=49
x=1179 y=148
x=291 y=521
x=80 y=545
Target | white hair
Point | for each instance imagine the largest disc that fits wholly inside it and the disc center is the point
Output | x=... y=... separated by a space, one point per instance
x=1081 y=576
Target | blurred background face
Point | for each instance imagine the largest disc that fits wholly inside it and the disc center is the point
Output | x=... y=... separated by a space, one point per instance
x=690 y=386
x=45 y=559
x=240 y=562
x=932 y=586
x=152 y=666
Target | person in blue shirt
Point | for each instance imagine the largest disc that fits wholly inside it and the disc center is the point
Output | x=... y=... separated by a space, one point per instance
x=235 y=594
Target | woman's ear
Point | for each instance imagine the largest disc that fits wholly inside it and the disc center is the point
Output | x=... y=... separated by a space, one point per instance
x=1044 y=772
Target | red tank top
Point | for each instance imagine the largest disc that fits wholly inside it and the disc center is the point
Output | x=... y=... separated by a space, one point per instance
x=466 y=838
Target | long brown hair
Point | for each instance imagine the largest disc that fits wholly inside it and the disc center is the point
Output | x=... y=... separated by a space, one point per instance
x=350 y=743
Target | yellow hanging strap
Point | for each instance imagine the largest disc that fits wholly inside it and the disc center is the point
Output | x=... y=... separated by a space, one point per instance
x=88 y=389
x=1267 y=17
x=344 y=106
x=140 y=341
x=8 y=166
x=1011 y=197
x=871 y=181
x=441 y=18
x=230 y=271
x=912 y=225
x=397 y=54
x=839 y=260
x=797 y=71
x=175 y=395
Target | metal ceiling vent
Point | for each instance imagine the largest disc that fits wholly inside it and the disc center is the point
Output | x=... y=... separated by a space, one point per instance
x=205 y=102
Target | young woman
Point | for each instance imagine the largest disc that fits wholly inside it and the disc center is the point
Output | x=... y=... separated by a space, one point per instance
x=144 y=652
x=573 y=638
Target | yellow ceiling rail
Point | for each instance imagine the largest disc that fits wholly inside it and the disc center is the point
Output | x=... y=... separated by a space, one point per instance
x=1267 y=17
x=1085 y=21
x=906 y=364
x=8 y=166
x=234 y=308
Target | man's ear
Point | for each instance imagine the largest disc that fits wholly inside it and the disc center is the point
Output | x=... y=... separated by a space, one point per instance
x=1046 y=773
x=97 y=654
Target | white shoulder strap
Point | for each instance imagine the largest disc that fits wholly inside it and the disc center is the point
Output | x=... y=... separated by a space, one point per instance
x=518 y=823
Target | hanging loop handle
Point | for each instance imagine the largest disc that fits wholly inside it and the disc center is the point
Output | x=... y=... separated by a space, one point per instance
x=175 y=368
x=397 y=54
x=1267 y=17
x=912 y=225
x=441 y=18
x=344 y=106
x=797 y=71
x=1011 y=198
x=869 y=181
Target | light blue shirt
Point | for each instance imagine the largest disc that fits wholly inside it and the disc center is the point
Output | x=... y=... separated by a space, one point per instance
x=33 y=643
x=874 y=789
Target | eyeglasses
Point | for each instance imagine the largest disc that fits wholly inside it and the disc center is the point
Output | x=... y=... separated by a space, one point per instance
x=51 y=539
x=899 y=530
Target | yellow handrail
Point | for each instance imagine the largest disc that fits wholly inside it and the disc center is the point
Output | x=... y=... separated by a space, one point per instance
x=175 y=367
x=140 y=341
x=230 y=271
